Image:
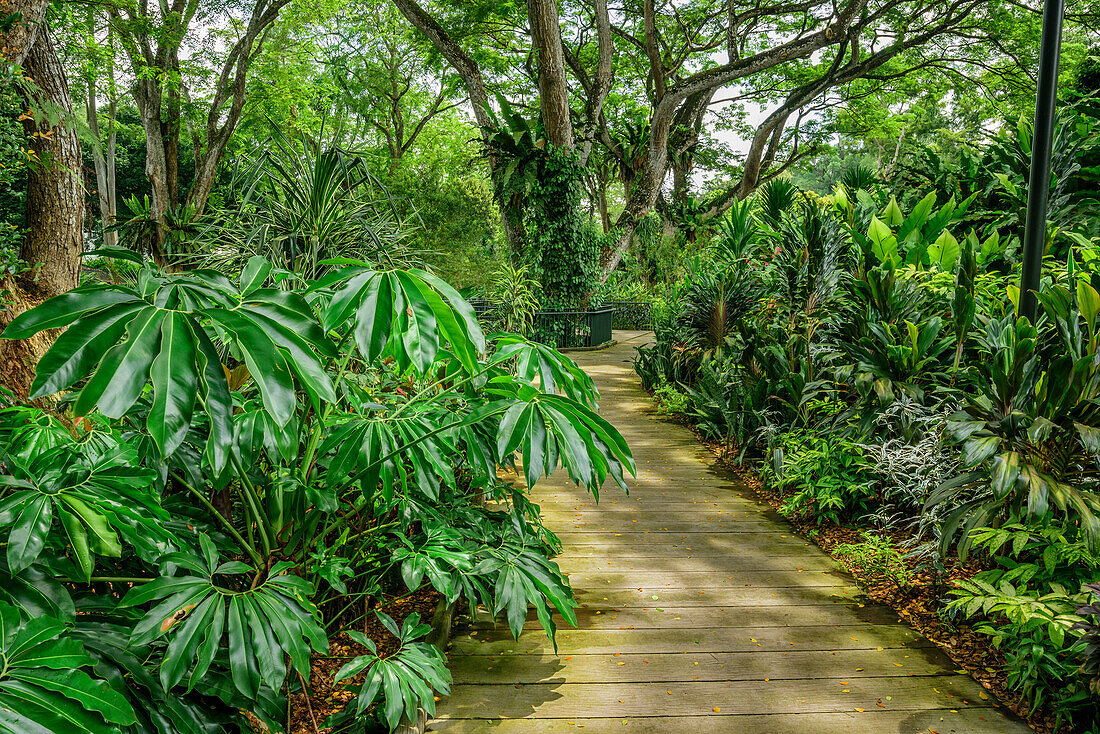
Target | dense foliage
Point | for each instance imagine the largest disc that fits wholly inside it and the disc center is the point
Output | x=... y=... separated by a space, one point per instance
x=235 y=462
x=866 y=347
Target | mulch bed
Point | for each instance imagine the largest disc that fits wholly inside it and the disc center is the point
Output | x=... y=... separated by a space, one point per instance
x=326 y=698
x=917 y=605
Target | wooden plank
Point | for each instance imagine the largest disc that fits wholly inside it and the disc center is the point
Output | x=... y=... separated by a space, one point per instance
x=693 y=641
x=678 y=562
x=702 y=580
x=606 y=616
x=716 y=539
x=700 y=544
x=670 y=525
x=737 y=596
x=700 y=698
x=738 y=666
x=874 y=721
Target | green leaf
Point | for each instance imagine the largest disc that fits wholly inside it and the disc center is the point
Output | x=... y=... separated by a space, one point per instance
x=94 y=695
x=944 y=251
x=78 y=541
x=254 y=274
x=79 y=348
x=216 y=399
x=175 y=385
x=28 y=536
x=374 y=318
x=122 y=374
x=1088 y=300
x=242 y=663
x=1006 y=472
x=884 y=244
x=64 y=309
x=265 y=362
x=892 y=214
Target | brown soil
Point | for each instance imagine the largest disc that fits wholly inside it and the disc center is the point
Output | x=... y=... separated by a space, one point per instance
x=307 y=715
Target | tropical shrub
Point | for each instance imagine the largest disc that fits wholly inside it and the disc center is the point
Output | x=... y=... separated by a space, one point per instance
x=877 y=558
x=234 y=465
x=828 y=477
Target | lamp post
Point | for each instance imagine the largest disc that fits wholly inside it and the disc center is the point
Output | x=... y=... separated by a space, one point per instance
x=1042 y=141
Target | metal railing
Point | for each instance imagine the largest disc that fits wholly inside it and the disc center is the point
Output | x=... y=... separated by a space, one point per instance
x=631 y=314
x=573 y=329
x=559 y=329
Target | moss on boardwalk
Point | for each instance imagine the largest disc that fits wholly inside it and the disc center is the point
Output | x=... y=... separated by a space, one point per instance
x=700 y=611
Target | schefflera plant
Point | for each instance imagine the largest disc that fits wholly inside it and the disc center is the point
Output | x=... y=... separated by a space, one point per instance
x=292 y=442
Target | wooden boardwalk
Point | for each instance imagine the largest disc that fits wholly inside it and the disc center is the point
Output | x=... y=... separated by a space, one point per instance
x=700 y=611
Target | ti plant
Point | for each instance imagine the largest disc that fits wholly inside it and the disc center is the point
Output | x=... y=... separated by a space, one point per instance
x=1031 y=437
x=235 y=464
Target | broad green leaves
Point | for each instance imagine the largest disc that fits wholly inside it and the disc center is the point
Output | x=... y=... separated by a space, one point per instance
x=260 y=624
x=166 y=331
x=920 y=239
x=42 y=687
x=404 y=315
x=548 y=429
x=407 y=679
x=95 y=501
x=526 y=578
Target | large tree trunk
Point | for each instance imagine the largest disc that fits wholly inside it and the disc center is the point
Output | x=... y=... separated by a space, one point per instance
x=147 y=98
x=55 y=208
x=553 y=86
x=55 y=202
x=17 y=42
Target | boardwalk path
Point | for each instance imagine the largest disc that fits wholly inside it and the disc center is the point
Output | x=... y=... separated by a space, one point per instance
x=700 y=611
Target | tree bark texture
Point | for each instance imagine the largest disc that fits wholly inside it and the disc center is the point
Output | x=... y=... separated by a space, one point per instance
x=55 y=201
x=553 y=86
x=20 y=38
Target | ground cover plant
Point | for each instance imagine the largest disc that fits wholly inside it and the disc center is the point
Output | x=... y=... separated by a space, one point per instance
x=874 y=368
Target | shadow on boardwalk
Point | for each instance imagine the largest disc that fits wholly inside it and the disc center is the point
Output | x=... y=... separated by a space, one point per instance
x=700 y=611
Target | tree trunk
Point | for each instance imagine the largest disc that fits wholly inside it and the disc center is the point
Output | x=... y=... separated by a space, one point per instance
x=470 y=73
x=170 y=130
x=55 y=201
x=17 y=42
x=147 y=97
x=553 y=86
x=605 y=216
x=103 y=160
x=111 y=238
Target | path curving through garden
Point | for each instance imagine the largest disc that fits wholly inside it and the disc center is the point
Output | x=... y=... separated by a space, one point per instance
x=700 y=612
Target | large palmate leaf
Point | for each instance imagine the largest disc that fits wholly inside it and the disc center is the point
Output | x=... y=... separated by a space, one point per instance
x=261 y=624
x=407 y=679
x=526 y=577
x=130 y=670
x=84 y=499
x=553 y=371
x=42 y=687
x=165 y=331
x=403 y=314
x=551 y=429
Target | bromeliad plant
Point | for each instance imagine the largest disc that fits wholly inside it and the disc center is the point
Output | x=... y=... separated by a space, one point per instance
x=244 y=462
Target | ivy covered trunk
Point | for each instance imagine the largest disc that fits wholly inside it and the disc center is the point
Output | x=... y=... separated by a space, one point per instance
x=567 y=250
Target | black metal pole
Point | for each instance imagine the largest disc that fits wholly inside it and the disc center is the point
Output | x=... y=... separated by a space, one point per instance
x=1042 y=140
